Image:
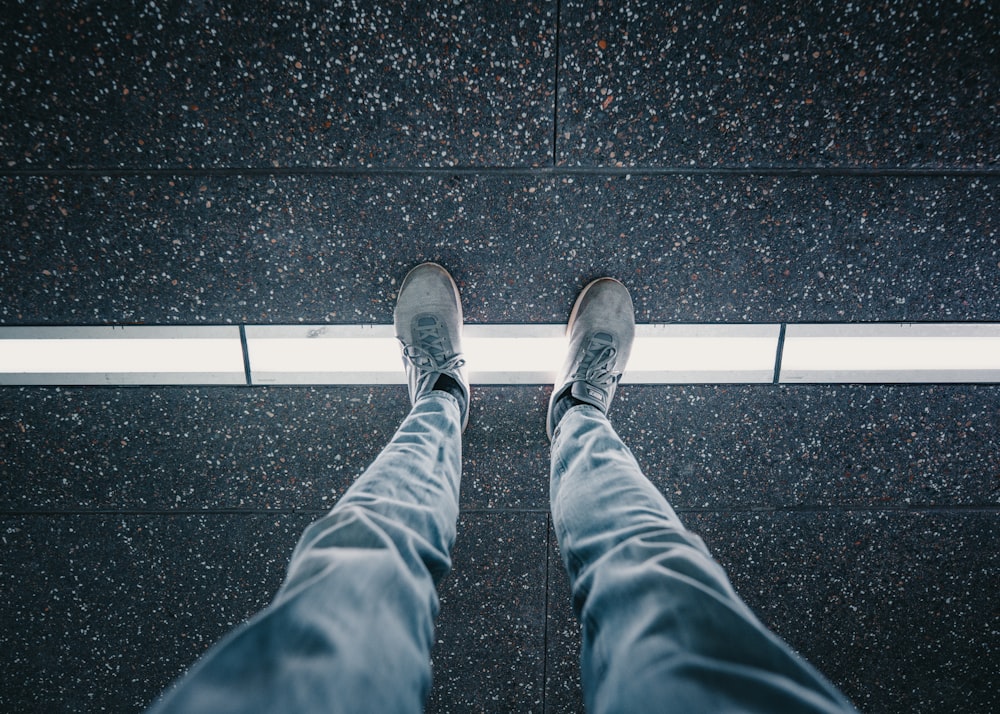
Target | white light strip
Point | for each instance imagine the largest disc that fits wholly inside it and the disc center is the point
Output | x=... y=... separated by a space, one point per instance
x=514 y=354
x=370 y=354
x=891 y=353
x=499 y=354
x=703 y=354
x=121 y=355
x=324 y=354
x=511 y=354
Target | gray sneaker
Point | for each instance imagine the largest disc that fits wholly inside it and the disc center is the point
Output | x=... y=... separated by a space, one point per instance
x=601 y=329
x=428 y=321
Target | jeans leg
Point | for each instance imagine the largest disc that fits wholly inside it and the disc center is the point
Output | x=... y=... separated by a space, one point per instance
x=663 y=628
x=351 y=628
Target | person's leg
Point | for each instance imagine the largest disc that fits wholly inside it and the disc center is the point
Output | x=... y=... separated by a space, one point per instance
x=663 y=629
x=352 y=626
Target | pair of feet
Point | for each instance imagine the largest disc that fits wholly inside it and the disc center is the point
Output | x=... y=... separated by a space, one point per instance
x=428 y=321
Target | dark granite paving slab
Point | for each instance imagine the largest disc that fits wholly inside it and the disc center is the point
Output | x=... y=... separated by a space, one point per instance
x=120 y=85
x=897 y=609
x=139 y=449
x=907 y=602
x=194 y=249
x=829 y=445
x=871 y=85
x=749 y=446
x=101 y=612
x=505 y=449
x=190 y=449
x=490 y=648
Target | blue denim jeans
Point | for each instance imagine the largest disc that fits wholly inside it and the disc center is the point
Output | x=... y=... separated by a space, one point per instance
x=351 y=628
x=663 y=629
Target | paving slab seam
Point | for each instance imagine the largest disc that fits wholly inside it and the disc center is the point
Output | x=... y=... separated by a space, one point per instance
x=246 y=355
x=778 y=354
x=545 y=610
x=512 y=171
x=902 y=508
x=555 y=105
x=233 y=512
x=680 y=510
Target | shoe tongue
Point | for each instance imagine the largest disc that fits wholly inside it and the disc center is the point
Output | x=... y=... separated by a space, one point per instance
x=600 y=354
x=601 y=339
x=431 y=337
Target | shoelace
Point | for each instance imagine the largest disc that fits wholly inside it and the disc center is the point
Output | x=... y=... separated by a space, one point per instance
x=428 y=354
x=598 y=368
x=428 y=362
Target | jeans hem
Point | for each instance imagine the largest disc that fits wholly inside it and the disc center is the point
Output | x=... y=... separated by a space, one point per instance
x=557 y=434
x=441 y=395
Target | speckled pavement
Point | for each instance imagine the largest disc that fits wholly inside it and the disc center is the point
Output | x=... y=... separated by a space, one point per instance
x=196 y=162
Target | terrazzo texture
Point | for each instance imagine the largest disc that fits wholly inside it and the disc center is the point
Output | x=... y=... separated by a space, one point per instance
x=218 y=249
x=205 y=163
x=892 y=616
x=102 y=611
x=300 y=448
x=222 y=449
x=273 y=83
x=796 y=84
x=901 y=84
x=490 y=652
x=171 y=498
x=828 y=446
x=928 y=574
